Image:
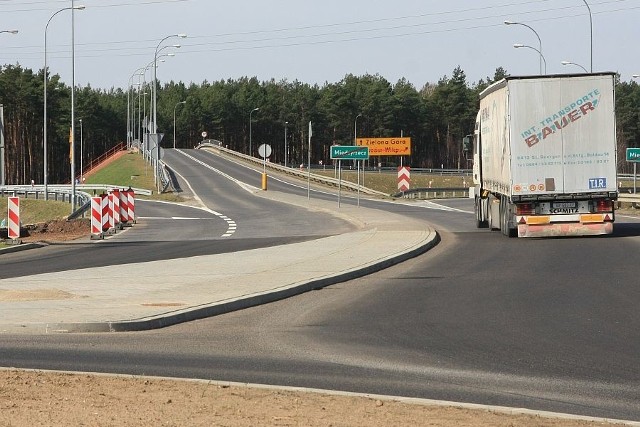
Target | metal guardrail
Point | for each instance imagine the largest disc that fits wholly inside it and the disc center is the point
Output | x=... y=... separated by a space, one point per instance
x=434 y=193
x=63 y=193
x=60 y=193
x=296 y=172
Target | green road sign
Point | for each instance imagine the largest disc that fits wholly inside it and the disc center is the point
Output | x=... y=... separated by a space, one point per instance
x=350 y=152
x=633 y=154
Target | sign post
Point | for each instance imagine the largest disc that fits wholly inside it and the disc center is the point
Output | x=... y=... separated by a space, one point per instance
x=633 y=155
x=349 y=152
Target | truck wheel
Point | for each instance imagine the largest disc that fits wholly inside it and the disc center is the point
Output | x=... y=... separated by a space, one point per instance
x=494 y=217
x=481 y=221
x=504 y=219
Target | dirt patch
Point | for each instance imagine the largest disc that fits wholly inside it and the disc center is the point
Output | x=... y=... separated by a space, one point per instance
x=58 y=230
x=29 y=398
x=34 y=295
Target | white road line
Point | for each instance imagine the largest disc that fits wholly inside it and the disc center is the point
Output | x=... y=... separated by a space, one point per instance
x=230 y=223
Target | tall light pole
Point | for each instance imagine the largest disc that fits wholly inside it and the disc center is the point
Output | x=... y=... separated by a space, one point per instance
x=534 y=32
x=573 y=63
x=131 y=111
x=2 y=173
x=250 y=132
x=72 y=134
x=174 y=121
x=285 y=143
x=518 y=45
x=44 y=134
x=155 y=81
x=81 y=144
x=590 y=31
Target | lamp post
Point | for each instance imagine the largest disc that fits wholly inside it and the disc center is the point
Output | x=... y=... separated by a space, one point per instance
x=519 y=45
x=9 y=31
x=285 y=143
x=590 y=31
x=534 y=32
x=250 y=131
x=81 y=144
x=174 y=121
x=155 y=81
x=131 y=111
x=44 y=134
x=573 y=63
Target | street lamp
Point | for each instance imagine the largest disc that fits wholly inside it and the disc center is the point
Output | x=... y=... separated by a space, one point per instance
x=355 y=130
x=590 y=31
x=573 y=63
x=44 y=134
x=250 y=141
x=155 y=81
x=285 y=143
x=9 y=31
x=81 y=144
x=174 y=121
x=518 y=45
x=534 y=32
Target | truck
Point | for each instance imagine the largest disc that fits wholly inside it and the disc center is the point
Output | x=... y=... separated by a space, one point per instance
x=544 y=155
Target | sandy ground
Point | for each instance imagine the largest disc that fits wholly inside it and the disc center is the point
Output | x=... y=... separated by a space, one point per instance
x=32 y=398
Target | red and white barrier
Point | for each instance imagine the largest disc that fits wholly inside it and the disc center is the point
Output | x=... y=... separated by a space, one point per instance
x=131 y=205
x=14 y=218
x=114 y=199
x=124 y=207
x=105 y=212
x=96 y=217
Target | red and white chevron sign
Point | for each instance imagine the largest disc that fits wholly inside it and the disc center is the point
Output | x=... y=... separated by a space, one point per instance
x=404 y=178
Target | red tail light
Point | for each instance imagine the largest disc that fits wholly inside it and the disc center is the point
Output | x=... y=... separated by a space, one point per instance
x=525 y=209
x=604 y=205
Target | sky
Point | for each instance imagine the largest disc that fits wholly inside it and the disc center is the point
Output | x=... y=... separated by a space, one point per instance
x=318 y=42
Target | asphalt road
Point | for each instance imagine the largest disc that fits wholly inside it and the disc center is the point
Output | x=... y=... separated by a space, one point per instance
x=546 y=324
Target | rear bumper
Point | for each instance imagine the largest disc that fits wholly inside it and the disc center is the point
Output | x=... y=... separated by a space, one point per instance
x=565 y=229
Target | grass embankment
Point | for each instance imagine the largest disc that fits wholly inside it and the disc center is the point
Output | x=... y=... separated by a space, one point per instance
x=387 y=182
x=128 y=170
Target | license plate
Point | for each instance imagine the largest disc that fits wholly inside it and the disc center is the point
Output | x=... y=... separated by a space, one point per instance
x=564 y=205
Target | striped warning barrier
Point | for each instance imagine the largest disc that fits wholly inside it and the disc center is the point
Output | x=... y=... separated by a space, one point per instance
x=124 y=207
x=105 y=212
x=14 y=218
x=96 y=217
x=115 y=207
x=131 y=205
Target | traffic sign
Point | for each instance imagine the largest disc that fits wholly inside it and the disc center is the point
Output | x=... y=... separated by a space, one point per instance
x=264 y=150
x=633 y=154
x=349 y=152
x=386 y=146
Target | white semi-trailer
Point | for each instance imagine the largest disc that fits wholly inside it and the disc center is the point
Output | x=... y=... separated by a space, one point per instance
x=544 y=151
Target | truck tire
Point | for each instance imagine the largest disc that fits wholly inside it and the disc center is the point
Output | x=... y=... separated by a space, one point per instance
x=504 y=218
x=493 y=216
x=481 y=221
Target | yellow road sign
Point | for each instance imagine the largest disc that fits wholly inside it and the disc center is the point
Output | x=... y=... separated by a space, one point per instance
x=386 y=146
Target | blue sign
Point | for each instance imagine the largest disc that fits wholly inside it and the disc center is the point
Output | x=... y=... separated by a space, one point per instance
x=597 y=183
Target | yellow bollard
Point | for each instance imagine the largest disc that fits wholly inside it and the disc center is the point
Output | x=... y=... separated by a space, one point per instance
x=264 y=181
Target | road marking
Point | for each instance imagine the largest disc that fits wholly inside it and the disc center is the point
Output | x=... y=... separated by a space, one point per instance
x=229 y=221
x=231 y=224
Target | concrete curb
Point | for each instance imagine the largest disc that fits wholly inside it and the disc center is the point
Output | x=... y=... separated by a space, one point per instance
x=21 y=247
x=210 y=310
